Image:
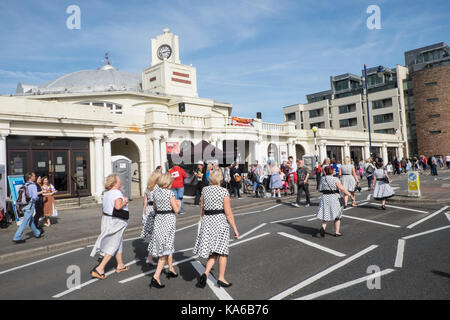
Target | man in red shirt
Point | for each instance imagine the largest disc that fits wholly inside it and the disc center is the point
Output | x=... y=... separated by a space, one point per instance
x=178 y=183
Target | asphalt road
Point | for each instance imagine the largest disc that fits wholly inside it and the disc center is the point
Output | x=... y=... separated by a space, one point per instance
x=279 y=256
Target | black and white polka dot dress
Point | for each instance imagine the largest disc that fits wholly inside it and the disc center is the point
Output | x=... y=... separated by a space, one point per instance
x=382 y=189
x=214 y=235
x=149 y=218
x=163 y=235
x=329 y=207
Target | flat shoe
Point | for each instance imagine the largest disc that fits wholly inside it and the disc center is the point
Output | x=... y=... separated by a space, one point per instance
x=338 y=235
x=95 y=274
x=123 y=269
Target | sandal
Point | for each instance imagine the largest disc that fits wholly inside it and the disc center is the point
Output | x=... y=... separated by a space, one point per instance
x=123 y=269
x=95 y=274
x=354 y=205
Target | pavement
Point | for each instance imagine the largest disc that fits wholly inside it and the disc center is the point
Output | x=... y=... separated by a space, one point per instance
x=79 y=227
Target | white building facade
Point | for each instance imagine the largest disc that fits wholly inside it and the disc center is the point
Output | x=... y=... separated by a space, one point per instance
x=70 y=128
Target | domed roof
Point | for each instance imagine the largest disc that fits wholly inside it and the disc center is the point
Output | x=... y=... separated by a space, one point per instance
x=106 y=78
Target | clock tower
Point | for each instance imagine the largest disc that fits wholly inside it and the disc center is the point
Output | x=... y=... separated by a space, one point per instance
x=167 y=75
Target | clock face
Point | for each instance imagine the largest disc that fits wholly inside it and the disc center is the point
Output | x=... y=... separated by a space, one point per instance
x=164 y=52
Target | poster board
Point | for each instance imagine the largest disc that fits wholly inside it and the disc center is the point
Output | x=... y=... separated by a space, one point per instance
x=15 y=182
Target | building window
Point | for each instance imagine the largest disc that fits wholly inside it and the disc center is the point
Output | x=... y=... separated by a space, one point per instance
x=383 y=118
x=435 y=132
x=431 y=84
x=290 y=116
x=315 y=113
x=113 y=107
x=318 y=125
x=385 y=103
x=433 y=100
x=434 y=116
x=347 y=109
x=374 y=80
x=341 y=85
x=386 y=131
x=348 y=122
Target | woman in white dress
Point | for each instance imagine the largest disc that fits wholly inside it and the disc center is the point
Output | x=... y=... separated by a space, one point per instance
x=109 y=243
x=349 y=179
x=163 y=235
x=330 y=208
x=148 y=217
x=381 y=185
x=213 y=238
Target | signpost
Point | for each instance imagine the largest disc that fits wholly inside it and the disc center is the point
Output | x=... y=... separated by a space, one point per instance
x=413 y=185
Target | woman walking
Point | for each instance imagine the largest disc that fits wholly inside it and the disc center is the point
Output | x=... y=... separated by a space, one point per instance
x=163 y=235
x=48 y=199
x=330 y=208
x=349 y=180
x=213 y=238
x=110 y=241
x=381 y=185
x=275 y=180
x=39 y=206
x=148 y=218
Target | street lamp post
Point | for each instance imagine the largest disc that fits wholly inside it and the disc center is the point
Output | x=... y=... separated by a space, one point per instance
x=368 y=111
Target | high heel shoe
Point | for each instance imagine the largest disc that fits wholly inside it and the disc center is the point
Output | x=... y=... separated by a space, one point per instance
x=154 y=283
x=223 y=284
x=202 y=280
x=322 y=232
x=383 y=207
x=170 y=274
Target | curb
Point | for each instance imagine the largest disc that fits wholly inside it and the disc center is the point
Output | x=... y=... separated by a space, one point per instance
x=30 y=253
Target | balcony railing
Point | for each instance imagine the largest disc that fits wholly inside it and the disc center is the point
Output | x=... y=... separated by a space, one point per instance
x=186 y=121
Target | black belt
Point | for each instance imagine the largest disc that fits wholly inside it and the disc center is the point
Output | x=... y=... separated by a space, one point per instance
x=164 y=212
x=213 y=212
x=329 y=191
x=109 y=215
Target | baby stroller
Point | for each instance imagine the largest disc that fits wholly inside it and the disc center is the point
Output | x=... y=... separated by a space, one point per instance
x=263 y=190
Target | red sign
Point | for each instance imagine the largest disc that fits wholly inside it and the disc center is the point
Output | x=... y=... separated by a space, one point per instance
x=172 y=147
x=241 y=122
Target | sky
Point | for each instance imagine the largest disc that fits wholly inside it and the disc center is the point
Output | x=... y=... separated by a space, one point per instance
x=258 y=55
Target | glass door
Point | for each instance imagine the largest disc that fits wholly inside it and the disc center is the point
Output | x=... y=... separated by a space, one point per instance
x=60 y=172
x=41 y=163
x=18 y=163
x=80 y=173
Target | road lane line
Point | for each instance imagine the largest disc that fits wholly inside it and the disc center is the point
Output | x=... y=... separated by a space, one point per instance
x=212 y=283
x=296 y=218
x=253 y=230
x=190 y=226
x=246 y=213
x=312 y=244
x=359 y=205
x=424 y=233
x=400 y=253
x=447 y=214
x=59 y=295
x=185 y=260
x=42 y=260
x=312 y=219
x=322 y=274
x=272 y=207
x=372 y=221
x=368 y=197
x=346 y=285
x=427 y=217
x=401 y=208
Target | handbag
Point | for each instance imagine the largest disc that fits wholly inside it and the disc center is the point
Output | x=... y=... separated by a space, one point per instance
x=341 y=199
x=121 y=214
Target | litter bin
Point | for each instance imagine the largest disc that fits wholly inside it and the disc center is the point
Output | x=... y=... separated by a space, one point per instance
x=309 y=163
x=122 y=166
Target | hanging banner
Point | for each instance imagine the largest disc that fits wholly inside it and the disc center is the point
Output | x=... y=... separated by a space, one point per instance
x=172 y=147
x=15 y=182
x=241 y=122
x=413 y=184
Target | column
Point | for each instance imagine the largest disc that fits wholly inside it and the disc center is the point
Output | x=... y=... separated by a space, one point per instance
x=107 y=166
x=3 y=148
x=156 y=153
x=367 y=151
x=385 y=154
x=163 y=154
x=291 y=149
x=323 y=151
x=400 y=151
x=98 y=168
x=347 y=149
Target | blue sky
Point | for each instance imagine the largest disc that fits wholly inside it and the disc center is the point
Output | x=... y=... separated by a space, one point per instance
x=259 y=55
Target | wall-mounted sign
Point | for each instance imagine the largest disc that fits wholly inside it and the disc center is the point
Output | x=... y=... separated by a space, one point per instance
x=173 y=147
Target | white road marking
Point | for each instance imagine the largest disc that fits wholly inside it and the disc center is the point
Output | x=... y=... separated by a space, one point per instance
x=427 y=217
x=346 y=285
x=447 y=214
x=272 y=207
x=359 y=204
x=426 y=232
x=308 y=216
x=400 y=253
x=192 y=225
x=131 y=239
x=218 y=291
x=322 y=274
x=246 y=213
x=368 y=197
x=395 y=188
x=372 y=221
x=59 y=295
x=39 y=261
x=312 y=244
x=400 y=208
x=253 y=230
x=312 y=219
x=249 y=239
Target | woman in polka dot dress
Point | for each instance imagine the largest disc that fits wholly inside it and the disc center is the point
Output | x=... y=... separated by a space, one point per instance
x=214 y=235
x=163 y=235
